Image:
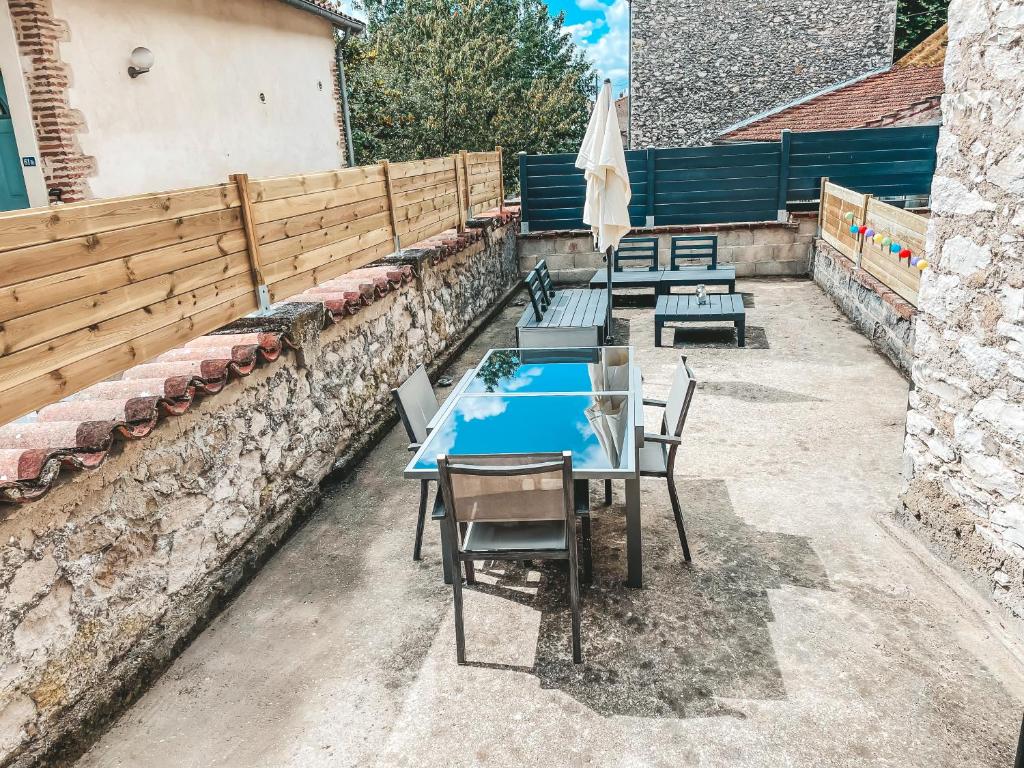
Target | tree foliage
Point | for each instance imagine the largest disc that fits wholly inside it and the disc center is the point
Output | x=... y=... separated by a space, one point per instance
x=915 y=20
x=432 y=77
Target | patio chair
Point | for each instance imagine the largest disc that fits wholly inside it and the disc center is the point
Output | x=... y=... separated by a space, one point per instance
x=512 y=507
x=417 y=405
x=658 y=454
x=545 y=279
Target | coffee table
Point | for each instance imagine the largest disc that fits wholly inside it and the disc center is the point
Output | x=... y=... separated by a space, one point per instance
x=685 y=308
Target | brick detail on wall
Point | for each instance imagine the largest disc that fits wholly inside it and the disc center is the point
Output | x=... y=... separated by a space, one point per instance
x=57 y=125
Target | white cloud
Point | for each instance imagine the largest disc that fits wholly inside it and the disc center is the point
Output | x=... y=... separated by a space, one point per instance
x=610 y=51
x=581 y=32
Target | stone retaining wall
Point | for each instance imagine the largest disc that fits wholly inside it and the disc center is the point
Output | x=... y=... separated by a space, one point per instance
x=964 y=449
x=757 y=249
x=110 y=574
x=884 y=317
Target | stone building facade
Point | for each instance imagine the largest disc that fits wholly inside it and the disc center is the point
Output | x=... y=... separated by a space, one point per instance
x=964 y=453
x=700 y=66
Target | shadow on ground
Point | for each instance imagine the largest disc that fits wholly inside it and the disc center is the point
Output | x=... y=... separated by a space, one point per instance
x=722 y=337
x=750 y=392
x=694 y=635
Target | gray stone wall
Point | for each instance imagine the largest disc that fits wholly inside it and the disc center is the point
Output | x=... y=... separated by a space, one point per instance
x=104 y=579
x=754 y=249
x=886 y=319
x=700 y=66
x=964 y=457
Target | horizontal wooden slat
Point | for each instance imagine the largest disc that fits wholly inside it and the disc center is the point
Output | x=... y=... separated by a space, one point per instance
x=317 y=201
x=25 y=298
x=317 y=257
x=264 y=190
x=50 y=258
x=295 y=246
x=68 y=377
x=299 y=282
x=21 y=229
x=293 y=226
x=445 y=176
x=442 y=219
x=34 y=361
x=420 y=167
x=418 y=209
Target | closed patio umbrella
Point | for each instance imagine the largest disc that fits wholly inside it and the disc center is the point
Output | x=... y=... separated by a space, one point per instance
x=603 y=162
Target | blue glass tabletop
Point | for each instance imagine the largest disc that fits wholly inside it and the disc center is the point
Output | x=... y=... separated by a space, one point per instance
x=532 y=371
x=596 y=428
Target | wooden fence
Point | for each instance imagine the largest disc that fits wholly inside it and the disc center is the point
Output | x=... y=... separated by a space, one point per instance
x=90 y=289
x=842 y=208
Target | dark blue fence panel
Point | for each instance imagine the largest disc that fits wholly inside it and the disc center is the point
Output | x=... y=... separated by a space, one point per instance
x=738 y=182
x=717 y=184
x=884 y=162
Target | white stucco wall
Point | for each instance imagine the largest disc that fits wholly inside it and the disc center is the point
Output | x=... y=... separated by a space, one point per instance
x=197 y=116
x=12 y=67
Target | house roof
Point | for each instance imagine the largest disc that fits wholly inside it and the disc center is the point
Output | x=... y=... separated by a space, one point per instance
x=329 y=9
x=876 y=99
x=930 y=52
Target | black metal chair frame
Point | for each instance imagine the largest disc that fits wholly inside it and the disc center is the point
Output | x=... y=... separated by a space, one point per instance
x=414 y=445
x=451 y=530
x=671 y=436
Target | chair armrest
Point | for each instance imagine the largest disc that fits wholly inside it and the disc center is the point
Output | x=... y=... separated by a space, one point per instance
x=413 y=447
x=652 y=401
x=666 y=439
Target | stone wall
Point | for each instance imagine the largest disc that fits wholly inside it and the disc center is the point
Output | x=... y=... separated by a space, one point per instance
x=699 y=67
x=760 y=249
x=884 y=317
x=107 y=577
x=964 y=473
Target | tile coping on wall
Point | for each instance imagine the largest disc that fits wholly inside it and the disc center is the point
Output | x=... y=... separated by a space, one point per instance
x=898 y=304
x=79 y=431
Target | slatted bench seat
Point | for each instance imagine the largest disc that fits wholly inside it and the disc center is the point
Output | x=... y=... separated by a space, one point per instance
x=685 y=308
x=693 y=260
x=634 y=265
x=570 y=317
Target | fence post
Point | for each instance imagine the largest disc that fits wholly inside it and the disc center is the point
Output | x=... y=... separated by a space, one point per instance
x=524 y=208
x=458 y=194
x=863 y=221
x=391 y=205
x=784 y=142
x=252 y=242
x=821 y=206
x=649 y=221
x=465 y=203
x=501 y=180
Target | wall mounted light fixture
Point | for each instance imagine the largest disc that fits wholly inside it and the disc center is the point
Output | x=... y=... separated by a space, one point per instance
x=140 y=62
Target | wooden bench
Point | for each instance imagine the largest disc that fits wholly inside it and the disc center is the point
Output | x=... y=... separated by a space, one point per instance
x=570 y=317
x=634 y=265
x=684 y=308
x=693 y=260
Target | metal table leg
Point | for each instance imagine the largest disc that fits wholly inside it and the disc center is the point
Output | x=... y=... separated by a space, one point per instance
x=634 y=557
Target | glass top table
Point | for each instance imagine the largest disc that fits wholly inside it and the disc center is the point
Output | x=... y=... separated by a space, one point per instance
x=538 y=400
x=587 y=401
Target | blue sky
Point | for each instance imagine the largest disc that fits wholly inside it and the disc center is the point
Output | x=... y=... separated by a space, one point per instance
x=599 y=27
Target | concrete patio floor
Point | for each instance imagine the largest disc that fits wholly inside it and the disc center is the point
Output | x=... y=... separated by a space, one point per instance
x=809 y=631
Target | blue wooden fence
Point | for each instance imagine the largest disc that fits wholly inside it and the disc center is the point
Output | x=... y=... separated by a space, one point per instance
x=737 y=182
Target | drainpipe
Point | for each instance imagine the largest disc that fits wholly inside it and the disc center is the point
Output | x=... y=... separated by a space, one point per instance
x=339 y=51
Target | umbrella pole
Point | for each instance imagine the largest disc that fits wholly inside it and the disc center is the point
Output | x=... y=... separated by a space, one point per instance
x=608 y=332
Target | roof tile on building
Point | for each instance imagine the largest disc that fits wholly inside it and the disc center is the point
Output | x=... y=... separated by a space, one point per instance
x=872 y=101
x=80 y=431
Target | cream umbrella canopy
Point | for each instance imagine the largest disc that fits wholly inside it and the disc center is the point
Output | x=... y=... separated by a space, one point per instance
x=603 y=162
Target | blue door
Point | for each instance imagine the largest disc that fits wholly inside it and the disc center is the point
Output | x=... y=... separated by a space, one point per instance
x=12 y=182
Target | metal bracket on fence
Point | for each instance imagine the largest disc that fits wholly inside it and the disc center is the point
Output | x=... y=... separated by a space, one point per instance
x=263 y=295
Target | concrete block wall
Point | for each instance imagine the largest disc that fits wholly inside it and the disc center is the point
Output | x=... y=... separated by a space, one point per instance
x=758 y=249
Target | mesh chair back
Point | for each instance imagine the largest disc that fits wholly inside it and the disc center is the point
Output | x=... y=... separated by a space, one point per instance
x=679 y=397
x=517 y=487
x=639 y=253
x=694 y=251
x=538 y=297
x=545 y=278
x=416 y=403
x=534 y=338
